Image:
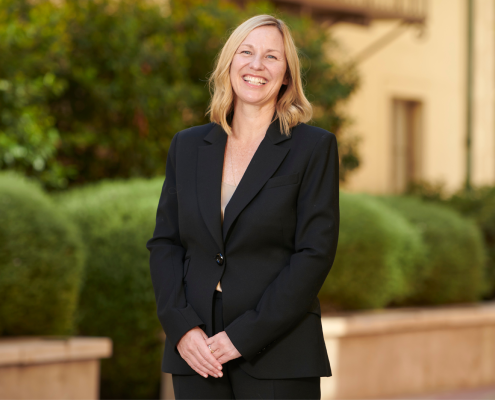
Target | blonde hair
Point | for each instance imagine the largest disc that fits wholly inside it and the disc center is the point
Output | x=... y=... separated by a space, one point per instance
x=292 y=105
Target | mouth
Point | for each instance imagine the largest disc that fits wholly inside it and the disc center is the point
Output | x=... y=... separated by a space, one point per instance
x=254 y=80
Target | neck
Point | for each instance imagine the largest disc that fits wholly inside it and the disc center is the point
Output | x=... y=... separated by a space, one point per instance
x=251 y=122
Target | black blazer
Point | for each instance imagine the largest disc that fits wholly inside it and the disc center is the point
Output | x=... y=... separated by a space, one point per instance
x=276 y=248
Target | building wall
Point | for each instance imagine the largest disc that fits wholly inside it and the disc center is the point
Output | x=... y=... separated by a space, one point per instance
x=484 y=96
x=430 y=69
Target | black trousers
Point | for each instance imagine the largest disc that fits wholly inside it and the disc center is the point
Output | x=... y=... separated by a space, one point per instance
x=236 y=384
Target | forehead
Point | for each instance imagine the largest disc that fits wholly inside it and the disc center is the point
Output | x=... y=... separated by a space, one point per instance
x=265 y=36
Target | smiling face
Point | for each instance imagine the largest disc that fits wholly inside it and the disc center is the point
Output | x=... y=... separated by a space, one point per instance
x=258 y=69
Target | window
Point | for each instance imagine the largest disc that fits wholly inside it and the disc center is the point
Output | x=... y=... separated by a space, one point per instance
x=406 y=143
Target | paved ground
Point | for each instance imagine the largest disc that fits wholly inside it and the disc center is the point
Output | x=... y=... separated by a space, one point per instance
x=485 y=393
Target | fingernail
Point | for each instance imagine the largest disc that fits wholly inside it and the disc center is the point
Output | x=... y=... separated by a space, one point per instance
x=219 y=367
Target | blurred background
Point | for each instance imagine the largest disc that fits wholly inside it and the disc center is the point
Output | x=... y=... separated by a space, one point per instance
x=91 y=94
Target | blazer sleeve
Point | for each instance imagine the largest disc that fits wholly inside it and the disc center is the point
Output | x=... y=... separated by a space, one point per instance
x=289 y=296
x=167 y=260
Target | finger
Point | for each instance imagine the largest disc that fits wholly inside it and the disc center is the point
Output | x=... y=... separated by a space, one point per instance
x=213 y=348
x=207 y=359
x=223 y=358
x=213 y=356
x=197 y=362
x=218 y=355
x=213 y=369
x=196 y=367
x=206 y=351
x=205 y=372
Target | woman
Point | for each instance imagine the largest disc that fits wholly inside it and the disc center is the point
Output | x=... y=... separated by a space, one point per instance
x=247 y=229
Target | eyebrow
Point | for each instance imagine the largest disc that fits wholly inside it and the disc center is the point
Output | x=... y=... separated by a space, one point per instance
x=250 y=45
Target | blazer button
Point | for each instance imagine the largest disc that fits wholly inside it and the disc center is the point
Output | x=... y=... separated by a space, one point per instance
x=219 y=258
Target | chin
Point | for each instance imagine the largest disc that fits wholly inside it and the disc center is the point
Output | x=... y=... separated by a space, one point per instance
x=252 y=100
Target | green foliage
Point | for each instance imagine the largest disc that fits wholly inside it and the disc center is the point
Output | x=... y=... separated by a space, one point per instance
x=455 y=265
x=426 y=190
x=479 y=204
x=33 y=50
x=377 y=255
x=41 y=262
x=107 y=83
x=117 y=300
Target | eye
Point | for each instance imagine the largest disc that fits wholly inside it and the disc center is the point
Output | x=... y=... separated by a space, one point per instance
x=272 y=57
x=245 y=51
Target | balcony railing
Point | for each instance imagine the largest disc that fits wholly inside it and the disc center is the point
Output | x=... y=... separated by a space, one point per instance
x=361 y=11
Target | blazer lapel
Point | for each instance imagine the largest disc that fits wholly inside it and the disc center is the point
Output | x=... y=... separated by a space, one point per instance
x=263 y=165
x=209 y=181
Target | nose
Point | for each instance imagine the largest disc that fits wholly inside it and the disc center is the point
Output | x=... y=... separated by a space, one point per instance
x=257 y=63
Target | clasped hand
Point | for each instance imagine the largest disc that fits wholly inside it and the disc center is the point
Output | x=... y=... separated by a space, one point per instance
x=193 y=348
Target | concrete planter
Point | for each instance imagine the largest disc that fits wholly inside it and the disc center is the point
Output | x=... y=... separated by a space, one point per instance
x=409 y=351
x=51 y=368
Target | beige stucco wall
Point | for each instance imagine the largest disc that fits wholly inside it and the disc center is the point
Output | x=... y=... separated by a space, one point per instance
x=431 y=69
x=409 y=352
x=51 y=367
x=484 y=135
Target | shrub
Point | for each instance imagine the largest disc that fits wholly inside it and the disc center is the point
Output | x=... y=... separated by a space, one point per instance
x=479 y=204
x=455 y=264
x=117 y=300
x=376 y=256
x=41 y=261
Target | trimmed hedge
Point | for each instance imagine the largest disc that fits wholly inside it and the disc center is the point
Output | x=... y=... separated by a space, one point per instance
x=377 y=253
x=116 y=219
x=480 y=205
x=454 y=269
x=41 y=261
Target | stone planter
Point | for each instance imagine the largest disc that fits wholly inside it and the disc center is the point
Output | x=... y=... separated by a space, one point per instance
x=51 y=368
x=409 y=351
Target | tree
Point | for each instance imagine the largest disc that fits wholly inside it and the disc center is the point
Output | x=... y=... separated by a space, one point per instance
x=120 y=78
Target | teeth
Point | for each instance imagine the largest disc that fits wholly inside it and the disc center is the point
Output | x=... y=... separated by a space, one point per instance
x=254 y=81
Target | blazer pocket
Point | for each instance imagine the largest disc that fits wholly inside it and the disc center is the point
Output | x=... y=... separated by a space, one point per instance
x=282 y=180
